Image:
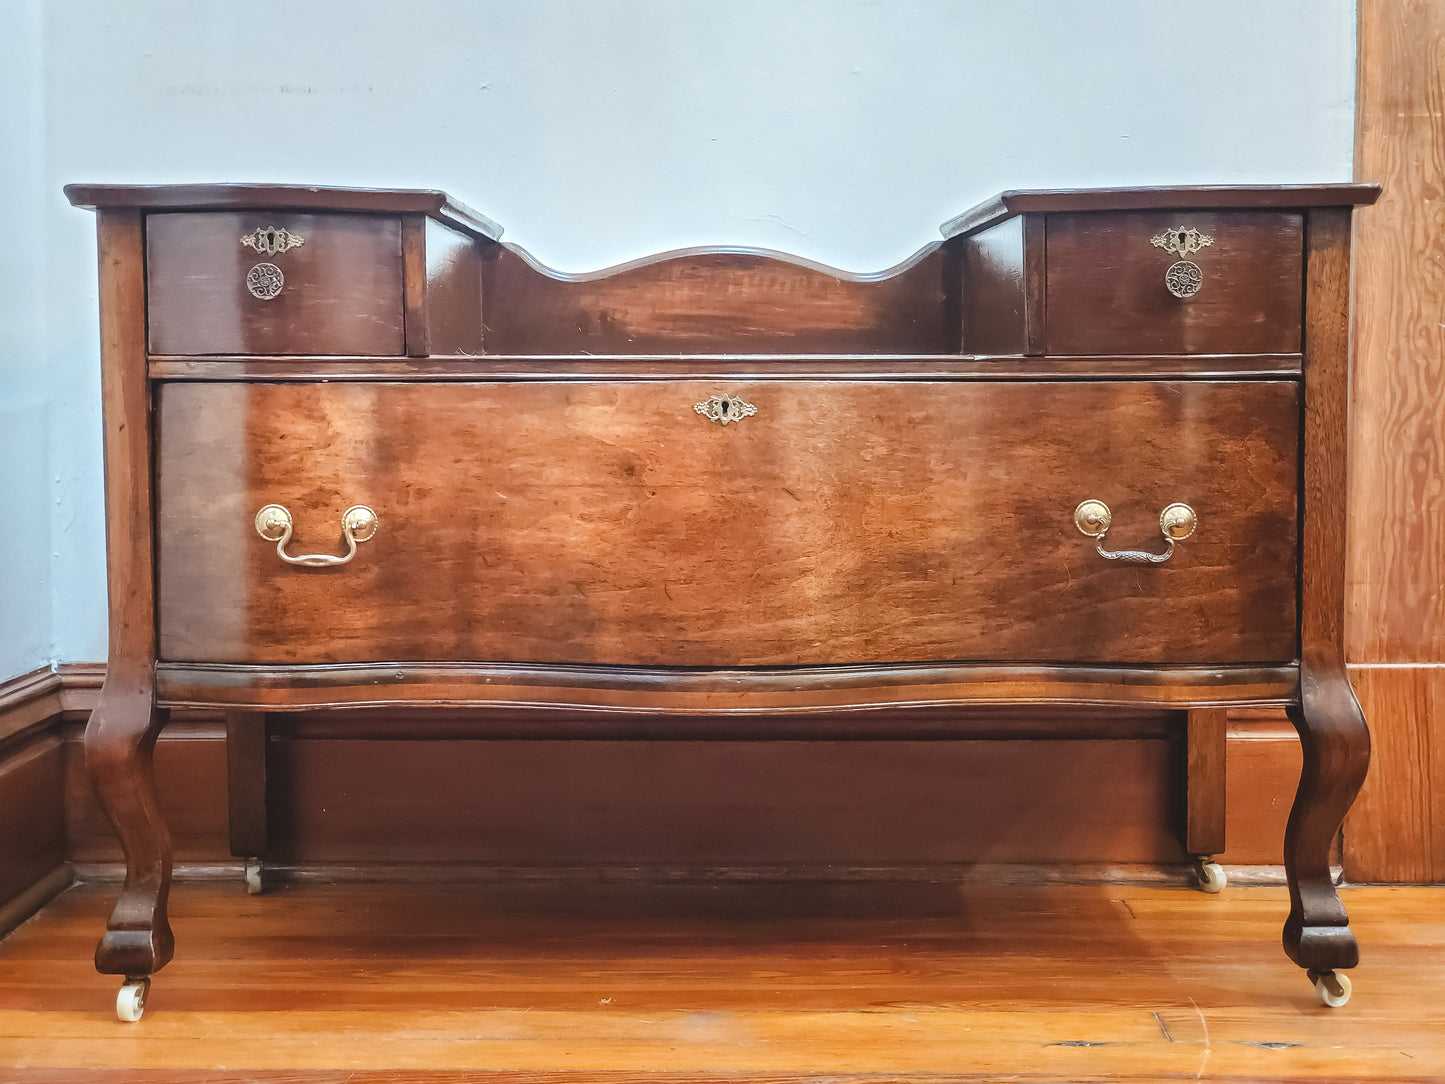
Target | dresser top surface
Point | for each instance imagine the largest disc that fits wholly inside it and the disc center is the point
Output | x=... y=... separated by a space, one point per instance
x=1181 y=197
x=439 y=205
x=284 y=197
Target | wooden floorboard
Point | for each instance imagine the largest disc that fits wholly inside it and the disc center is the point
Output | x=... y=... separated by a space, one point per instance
x=752 y=982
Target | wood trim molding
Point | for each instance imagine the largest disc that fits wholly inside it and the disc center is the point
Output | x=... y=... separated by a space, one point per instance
x=195 y=197
x=1395 y=628
x=1263 y=751
x=17 y=909
x=29 y=704
x=32 y=831
x=80 y=684
x=1182 y=197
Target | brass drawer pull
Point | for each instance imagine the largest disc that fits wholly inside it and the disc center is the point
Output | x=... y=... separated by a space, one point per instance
x=265 y=281
x=1176 y=523
x=358 y=524
x=1184 y=278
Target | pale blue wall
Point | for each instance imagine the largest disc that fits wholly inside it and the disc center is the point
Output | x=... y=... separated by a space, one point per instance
x=599 y=131
x=25 y=585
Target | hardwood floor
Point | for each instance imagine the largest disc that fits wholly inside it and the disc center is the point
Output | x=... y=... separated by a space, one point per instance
x=743 y=982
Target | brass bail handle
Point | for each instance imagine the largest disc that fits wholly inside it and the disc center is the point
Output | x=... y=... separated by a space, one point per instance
x=1176 y=523
x=358 y=524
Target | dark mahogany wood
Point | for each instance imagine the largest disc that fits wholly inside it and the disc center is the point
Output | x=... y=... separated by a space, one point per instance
x=675 y=692
x=1106 y=287
x=909 y=722
x=246 y=739
x=415 y=294
x=285 y=197
x=342 y=291
x=1206 y=737
x=453 y=291
x=765 y=367
x=992 y=290
x=846 y=523
x=32 y=804
x=718 y=300
x=1193 y=197
x=122 y=730
x=568 y=549
x=1332 y=730
x=1036 y=286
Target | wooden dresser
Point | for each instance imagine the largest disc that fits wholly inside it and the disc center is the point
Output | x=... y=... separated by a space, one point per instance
x=1083 y=458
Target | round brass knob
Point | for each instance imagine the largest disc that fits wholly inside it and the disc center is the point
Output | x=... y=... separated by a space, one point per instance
x=1178 y=522
x=360 y=522
x=1093 y=518
x=273 y=523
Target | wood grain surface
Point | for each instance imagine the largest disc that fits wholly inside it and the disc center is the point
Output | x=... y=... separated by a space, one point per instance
x=857 y=807
x=1042 y=201
x=341 y=798
x=725 y=367
x=1396 y=830
x=342 y=292
x=1397 y=556
x=285 y=197
x=846 y=523
x=992 y=297
x=1396 y=622
x=1106 y=290
x=121 y=732
x=453 y=291
x=1334 y=738
x=711 y=300
x=1205 y=781
x=745 y=983
x=806 y=701
x=32 y=814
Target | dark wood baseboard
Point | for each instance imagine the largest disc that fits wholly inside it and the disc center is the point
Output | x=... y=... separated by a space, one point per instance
x=29 y=705
x=970 y=807
x=1396 y=831
x=27 y=902
x=32 y=807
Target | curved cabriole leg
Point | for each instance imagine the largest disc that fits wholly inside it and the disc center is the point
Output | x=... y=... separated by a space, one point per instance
x=1336 y=745
x=119 y=741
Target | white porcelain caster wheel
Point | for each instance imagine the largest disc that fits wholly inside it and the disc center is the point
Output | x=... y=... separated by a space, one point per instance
x=255 y=885
x=1332 y=986
x=1211 y=875
x=130 y=1003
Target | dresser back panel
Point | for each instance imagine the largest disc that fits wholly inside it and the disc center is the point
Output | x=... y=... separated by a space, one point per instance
x=340 y=289
x=721 y=301
x=846 y=522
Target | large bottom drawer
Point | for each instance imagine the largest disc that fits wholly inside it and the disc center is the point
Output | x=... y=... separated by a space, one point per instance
x=845 y=522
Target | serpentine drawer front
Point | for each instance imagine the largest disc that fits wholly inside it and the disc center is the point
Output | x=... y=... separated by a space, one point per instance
x=844 y=522
x=1076 y=469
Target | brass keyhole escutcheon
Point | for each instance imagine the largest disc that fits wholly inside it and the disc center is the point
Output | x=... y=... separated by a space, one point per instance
x=725 y=408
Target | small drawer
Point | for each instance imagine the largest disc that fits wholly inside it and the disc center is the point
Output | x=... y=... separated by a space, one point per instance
x=269 y=283
x=1235 y=288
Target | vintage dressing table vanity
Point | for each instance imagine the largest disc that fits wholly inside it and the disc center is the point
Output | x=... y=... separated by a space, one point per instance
x=1086 y=455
